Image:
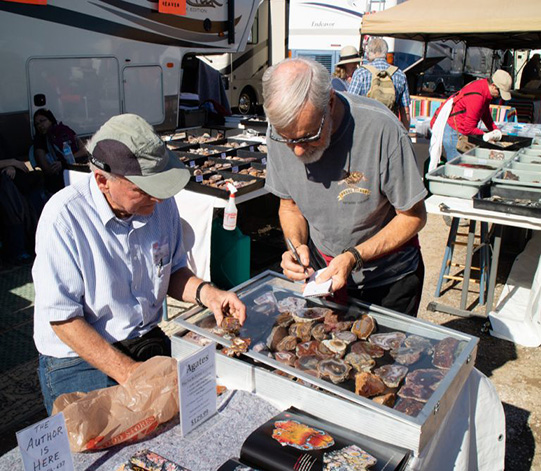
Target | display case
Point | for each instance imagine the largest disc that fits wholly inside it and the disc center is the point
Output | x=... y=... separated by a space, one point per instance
x=340 y=363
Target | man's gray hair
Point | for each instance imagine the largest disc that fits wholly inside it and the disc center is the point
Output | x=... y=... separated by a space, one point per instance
x=376 y=47
x=292 y=83
x=107 y=175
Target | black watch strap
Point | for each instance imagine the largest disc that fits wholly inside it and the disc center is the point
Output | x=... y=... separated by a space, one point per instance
x=198 y=293
x=359 y=262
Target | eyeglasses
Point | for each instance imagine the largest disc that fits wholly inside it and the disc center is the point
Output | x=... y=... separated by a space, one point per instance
x=300 y=140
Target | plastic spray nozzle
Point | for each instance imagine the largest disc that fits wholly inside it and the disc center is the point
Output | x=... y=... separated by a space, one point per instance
x=232 y=189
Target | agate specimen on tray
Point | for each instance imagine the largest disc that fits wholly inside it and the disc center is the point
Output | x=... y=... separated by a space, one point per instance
x=444 y=353
x=324 y=352
x=364 y=327
x=345 y=336
x=360 y=361
x=305 y=349
x=369 y=348
x=318 y=332
x=266 y=298
x=284 y=319
x=310 y=314
x=231 y=325
x=197 y=339
x=388 y=340
x=287 y=344
x=337 y=321
x=301 y=330
x=334 y=369
x=291 y=304
x=275 y=337
x=287 y=358
x=368 y=384
x=385 y=399
x=391 y=375
x=238 y=346
x=420 y=384
x=416 y=341
x=406 y=355
x=409 y=407
x=338 y=347
x=308 y=365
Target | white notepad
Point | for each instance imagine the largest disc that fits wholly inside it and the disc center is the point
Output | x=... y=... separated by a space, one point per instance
x=317 y=289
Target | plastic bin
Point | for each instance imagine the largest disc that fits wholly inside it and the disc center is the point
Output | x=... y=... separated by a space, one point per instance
x=468 y=185
x=491 y=154
x=229 y=256
x=469 y=161
x=525 y=178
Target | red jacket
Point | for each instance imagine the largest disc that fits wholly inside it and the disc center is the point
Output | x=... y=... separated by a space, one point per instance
x=470 y=105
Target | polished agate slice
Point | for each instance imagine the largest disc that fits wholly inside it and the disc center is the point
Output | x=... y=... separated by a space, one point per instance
x=231 y=325
x=385 y=399
x=420 y=384
x=238 y=346
x=305 y=349
x=334 y=369
x=421 y=343
x=409 y=407
x=275 y=337
x=388 y=340
x=284 y=319
x=368 y=384
x=365 y=347
x=337 y=321
x=318 y=332
x=266 y=298
x=345 y=336
x=287 y=358
x=360 y=361
x=391 y=375
x=338 y=347
x=288 y=343
x=351 y=457
x=364 y=327
x=310 y=314
x=406 y=355
x=291 y=304
x=301 y=330
x=197 y=339
x=444 y=353
x=308 y=365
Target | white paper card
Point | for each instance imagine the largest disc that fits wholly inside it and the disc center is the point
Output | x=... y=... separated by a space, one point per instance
x=197 y=388
x=44 y=446
x=317 y=289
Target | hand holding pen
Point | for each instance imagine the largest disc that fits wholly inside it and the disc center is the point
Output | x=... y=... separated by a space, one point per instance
x=292 y=262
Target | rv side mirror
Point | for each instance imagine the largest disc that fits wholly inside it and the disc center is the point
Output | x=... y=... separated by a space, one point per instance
x=39 y=100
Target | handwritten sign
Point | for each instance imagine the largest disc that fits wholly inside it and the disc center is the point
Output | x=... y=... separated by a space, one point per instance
x=197 y=388
x=44 y=446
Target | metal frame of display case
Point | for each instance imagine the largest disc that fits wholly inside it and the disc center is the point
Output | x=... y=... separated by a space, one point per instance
x=332 y=402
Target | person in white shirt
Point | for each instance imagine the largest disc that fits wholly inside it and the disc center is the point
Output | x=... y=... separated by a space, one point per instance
x=108 y=251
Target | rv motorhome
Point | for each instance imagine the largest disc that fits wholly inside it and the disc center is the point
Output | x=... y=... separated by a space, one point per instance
x=92 y=59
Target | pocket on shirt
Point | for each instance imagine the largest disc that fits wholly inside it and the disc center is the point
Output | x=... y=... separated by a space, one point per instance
x=161 y=282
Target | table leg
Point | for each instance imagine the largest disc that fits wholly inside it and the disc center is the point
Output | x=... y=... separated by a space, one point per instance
x=467 y=265
x=494 y=267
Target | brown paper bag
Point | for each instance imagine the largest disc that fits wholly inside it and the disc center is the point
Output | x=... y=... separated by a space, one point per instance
x=124 y=413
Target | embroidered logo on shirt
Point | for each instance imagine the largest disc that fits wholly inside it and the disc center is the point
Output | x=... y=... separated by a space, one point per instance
x=351 y=180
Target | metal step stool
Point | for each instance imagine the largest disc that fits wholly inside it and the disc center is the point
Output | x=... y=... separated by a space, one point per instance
x=482 y=245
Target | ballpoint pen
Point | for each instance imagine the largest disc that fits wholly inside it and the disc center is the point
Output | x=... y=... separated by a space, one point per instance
x=296 y=255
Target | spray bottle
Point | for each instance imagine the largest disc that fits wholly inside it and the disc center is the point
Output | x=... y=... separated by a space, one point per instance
x=230 y=213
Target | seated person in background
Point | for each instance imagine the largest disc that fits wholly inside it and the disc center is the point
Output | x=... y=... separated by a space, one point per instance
x=109 y=249
x=48 y=143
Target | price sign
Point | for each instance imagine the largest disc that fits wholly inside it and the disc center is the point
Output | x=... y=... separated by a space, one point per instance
x=44 y=446
x=197 y=388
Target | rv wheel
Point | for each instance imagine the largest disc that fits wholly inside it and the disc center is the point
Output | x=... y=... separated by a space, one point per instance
x=247 y=101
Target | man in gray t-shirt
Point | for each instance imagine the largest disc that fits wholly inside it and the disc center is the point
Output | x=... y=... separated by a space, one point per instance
x=351 y=195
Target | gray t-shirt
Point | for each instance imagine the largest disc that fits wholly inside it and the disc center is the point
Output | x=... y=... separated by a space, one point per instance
x=351 y=193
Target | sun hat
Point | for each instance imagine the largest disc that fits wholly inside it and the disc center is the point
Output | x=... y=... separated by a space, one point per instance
x=504 y=82
x=349 y=54
x=127 y=145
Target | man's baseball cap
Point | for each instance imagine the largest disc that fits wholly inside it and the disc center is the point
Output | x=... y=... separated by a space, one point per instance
x=348 y=55
x=127 y=145
x=504 y=82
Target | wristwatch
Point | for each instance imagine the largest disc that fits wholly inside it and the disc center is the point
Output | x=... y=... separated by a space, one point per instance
x=198 y=292
x=359 y=262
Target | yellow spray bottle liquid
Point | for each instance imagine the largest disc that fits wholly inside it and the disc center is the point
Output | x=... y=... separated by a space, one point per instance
x=230 y=212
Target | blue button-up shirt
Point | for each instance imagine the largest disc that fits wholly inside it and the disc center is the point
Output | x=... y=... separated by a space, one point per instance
x=112 y=272
x=362 y=80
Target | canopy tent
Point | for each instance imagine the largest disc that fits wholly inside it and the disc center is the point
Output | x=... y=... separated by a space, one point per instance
x=496 y=24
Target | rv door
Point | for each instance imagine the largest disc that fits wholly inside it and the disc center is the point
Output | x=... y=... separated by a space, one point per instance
x=143 y=92
x=83 y=92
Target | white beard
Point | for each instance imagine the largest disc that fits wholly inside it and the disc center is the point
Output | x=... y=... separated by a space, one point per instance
x=313 y=154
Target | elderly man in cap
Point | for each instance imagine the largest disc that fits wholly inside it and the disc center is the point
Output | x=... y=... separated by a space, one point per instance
x=345 y=67
x=351 y=197
x=376 y=52
x=461 y=113
x=109 y=249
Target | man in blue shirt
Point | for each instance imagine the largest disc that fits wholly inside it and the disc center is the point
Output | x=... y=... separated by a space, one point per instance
x=376 y=53
x=108 y=251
